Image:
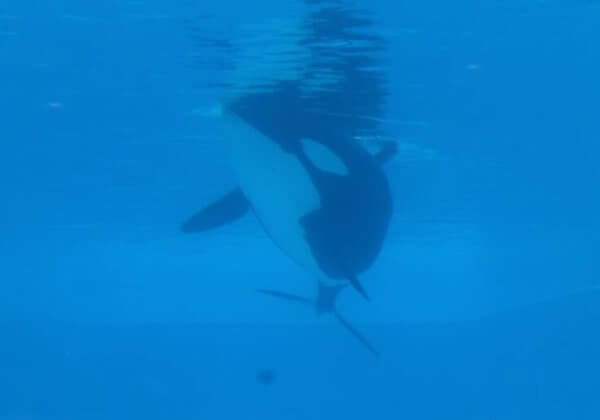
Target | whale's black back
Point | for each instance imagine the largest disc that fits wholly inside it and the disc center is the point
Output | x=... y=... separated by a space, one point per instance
x=347 y=232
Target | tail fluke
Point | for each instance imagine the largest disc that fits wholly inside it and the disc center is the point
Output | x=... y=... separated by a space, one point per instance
x=342 y=320
x=356 y=334
x=286 y=296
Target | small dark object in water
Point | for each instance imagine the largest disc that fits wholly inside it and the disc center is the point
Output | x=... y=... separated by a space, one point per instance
x=265 y=376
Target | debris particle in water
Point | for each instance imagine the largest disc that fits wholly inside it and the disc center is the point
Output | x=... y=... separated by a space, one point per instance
x=265 y=377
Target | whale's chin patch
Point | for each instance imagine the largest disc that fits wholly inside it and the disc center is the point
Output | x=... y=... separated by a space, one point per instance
x=323 y=158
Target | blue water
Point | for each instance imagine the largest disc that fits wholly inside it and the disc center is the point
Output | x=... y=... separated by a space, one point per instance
x=485 y=300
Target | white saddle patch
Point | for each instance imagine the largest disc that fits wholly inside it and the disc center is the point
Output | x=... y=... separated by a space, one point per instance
x=323 y=158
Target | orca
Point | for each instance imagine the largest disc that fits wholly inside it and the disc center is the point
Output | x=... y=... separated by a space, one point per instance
x=322 y=198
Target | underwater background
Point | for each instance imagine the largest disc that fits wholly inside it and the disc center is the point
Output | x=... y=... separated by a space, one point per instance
x=485 y=301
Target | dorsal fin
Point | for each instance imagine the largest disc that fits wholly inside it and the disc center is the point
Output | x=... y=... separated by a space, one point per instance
x=358 y=287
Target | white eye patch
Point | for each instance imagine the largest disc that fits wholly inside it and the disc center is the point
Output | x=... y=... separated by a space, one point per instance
x=323 y=158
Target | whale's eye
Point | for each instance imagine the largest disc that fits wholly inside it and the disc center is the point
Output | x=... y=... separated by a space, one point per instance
x=323 y=157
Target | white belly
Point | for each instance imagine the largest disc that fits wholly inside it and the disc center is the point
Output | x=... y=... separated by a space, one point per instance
x=277 y=186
